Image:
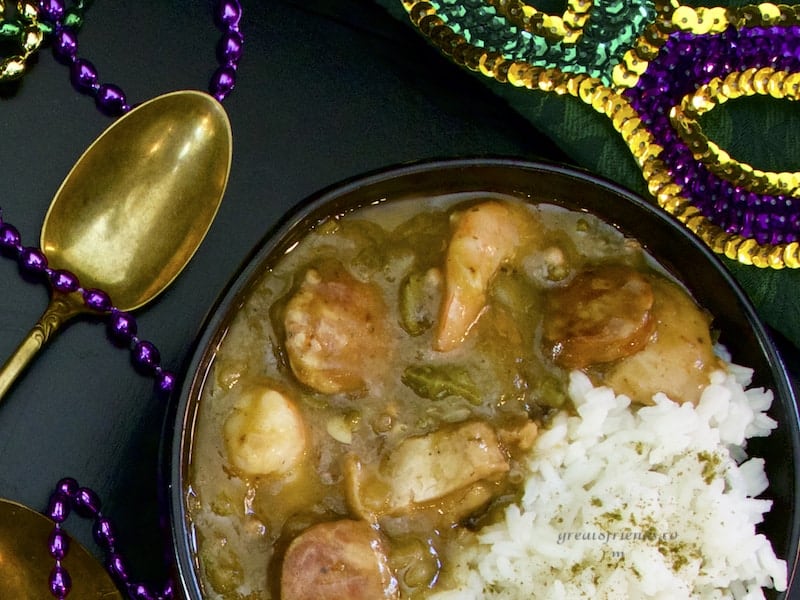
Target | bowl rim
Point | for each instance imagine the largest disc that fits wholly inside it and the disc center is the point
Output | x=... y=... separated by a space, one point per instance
x=180 y=417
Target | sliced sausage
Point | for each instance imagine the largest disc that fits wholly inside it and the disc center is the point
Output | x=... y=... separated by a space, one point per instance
x=602 y=315
x=336 y=331
x=682 y=345
x=339 y=560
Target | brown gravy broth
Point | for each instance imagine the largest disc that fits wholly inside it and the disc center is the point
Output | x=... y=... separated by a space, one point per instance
x=339 y=447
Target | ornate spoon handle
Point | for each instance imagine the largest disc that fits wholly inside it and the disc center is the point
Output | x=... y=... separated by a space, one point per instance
x=61 y=308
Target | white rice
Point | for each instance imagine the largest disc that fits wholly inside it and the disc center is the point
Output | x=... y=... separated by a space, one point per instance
x=659 y=502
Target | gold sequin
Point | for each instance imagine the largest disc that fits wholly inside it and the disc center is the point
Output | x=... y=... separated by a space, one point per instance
x=770 y=14
x=488 y=64
x=776 y=84
x=519 y=75
x=791 y=255
x=761 y=80
x=624 y=115
x=566 y=28
x=685 y=18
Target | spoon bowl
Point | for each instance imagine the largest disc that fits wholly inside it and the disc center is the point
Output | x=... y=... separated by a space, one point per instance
x=133 y=210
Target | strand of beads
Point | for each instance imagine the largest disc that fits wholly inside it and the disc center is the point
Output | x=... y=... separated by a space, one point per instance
x=110 y=98
x=121 y=326
x=69 y=496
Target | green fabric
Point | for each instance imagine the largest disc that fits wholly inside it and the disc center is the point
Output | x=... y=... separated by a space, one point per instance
x=760 y=131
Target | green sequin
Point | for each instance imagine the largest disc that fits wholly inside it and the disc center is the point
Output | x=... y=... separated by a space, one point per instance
x=609 y=32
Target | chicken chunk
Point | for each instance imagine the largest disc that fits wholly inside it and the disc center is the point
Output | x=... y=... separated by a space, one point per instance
x=427 y=469
x=485 y=237
x=337 y=333
x=521 y=435
x=602 y=315
x=679 y=357
x=340 y=560
x=264 y=433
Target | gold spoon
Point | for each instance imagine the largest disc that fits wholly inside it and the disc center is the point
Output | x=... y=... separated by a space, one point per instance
x=25 y=562
x=134 y=209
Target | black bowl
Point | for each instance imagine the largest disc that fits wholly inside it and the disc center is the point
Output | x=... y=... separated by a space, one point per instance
x=666 y=239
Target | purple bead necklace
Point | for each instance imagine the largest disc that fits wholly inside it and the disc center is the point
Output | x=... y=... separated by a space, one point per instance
x=67 y=497
x=121 y=326
x=109 y=98
x=121 y=330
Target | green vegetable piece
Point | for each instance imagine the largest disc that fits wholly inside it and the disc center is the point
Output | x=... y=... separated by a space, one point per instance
x=426 y=235
x=223 y=505
x=432 y=225
x=551 y=393
x=437 y=382
x=415 y=301
x=222 y=569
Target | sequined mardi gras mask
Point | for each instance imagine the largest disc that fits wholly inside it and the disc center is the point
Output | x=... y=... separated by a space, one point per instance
x=653 y=68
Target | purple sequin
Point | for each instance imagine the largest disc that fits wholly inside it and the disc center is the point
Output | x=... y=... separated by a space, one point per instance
x=686 y=61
